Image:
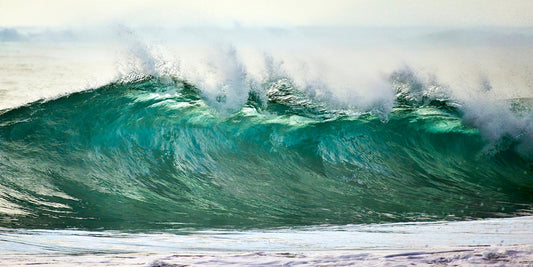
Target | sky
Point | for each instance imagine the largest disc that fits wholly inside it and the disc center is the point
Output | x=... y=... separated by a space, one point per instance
x=462 y=13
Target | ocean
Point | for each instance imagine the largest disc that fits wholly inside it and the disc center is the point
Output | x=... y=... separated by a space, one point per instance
x=300 y=146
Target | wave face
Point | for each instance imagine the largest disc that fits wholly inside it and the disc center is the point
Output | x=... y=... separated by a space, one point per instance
x=153 y=154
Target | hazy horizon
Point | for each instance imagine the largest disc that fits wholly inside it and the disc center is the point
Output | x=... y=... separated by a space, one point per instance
x=454 y=13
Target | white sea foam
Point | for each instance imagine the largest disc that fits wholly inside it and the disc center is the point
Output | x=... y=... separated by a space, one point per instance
x=482 y=242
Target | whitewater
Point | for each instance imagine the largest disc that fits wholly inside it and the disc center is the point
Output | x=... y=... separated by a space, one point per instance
x=268 y=146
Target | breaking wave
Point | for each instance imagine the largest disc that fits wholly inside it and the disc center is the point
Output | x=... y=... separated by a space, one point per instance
x=156 y=152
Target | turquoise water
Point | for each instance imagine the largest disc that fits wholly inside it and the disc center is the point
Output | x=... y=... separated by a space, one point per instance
x=155 y=154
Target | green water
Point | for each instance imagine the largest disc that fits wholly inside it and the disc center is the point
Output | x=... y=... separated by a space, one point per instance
x=155 y=154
